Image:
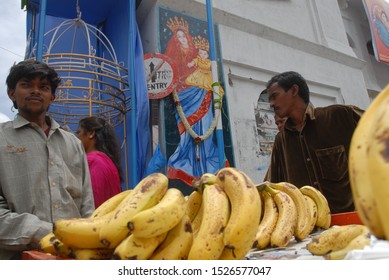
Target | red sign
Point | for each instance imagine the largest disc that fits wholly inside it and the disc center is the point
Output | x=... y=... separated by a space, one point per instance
x=161 y=75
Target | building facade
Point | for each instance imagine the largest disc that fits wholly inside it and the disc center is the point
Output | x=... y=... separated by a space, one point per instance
x=327 y=41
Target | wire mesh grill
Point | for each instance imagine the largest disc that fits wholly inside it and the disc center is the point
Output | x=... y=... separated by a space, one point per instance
x=93 y=82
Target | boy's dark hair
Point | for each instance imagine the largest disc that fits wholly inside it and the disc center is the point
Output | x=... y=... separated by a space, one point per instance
x=287 y=79
x=30 y=69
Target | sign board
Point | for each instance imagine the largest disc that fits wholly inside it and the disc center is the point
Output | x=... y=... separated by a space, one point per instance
x=161 y=75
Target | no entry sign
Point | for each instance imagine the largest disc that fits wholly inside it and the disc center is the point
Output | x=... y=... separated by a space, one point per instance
x=161 y=75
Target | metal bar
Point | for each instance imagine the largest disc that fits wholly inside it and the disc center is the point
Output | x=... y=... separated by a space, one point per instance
x=131 y=65
x=41 y=33
x=215 y=78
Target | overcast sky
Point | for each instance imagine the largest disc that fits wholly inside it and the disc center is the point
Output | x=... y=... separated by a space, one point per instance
x=12 y=47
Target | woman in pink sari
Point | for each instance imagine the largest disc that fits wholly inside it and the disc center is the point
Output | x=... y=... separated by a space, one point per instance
x=103 y=154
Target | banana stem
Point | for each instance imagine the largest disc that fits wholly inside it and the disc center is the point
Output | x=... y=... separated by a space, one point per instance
x=262 y=186
x=271 y=190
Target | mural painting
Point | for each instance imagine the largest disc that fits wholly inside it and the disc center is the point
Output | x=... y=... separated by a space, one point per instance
x=191 y=148
x=377 y=12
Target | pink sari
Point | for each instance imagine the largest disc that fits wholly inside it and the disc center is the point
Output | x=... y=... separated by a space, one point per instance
x=104 y=176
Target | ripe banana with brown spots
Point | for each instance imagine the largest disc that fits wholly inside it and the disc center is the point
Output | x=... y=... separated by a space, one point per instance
x=323 y=220
x=312 y=213
x=208 y=243
x=147 y=193
x=81 y=232
x=177 y=243
x=193 y=203
x=287 y=218
x=358 y=243
x=196 y=223
x=91 y=254
x=160 y=218
x=47 y=243
x=137 y=248
x=246 y=208
x=378 y=161
x=110 y=204
x=334 y=238
x=302 y=227
x=362 y=186
x=267 y=223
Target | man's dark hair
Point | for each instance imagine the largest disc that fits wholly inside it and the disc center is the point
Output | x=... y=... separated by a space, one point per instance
x=287 y=79
x=30 y=69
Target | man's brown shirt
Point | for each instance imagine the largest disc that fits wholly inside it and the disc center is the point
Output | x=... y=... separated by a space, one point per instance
x=318 y=155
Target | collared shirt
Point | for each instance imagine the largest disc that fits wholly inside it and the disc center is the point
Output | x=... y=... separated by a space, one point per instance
x=42 y=179
x=318 y=154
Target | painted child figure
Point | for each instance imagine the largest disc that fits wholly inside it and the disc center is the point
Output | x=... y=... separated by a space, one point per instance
x=202 y=76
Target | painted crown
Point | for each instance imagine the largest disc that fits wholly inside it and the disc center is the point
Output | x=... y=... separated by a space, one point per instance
x=201 y=43
x=177 y=24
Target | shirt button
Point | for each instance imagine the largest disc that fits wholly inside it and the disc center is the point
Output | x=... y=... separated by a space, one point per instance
x=315 y=183
x=53 y=184
x=56 y=206
x=52 y=163
x=308 y=159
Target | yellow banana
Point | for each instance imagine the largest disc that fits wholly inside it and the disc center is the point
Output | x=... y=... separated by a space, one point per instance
x=177 y=243
x=208 y=179
x=160 y=218
x=357 y=243
x=196 y=223
x=378 y=162
x=365 y=198
x=312 y=211
x=110 y=204
x=193 y=204
x=205 y=179
x=268 y=222
x=146 y=194
x=287 y=218
x=323 y=220
x=91 y=254
x=47 y=243
x=334 y=238
x=208 y=244
x=137 y=248
x=81 y=232
x=246 y=208
x=63 y=250
x=302 y=227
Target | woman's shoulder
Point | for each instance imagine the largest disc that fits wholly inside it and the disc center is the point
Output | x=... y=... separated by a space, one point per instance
x=97 y=155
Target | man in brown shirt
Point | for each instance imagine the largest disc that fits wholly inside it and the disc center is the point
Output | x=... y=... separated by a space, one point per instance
x=314 y=145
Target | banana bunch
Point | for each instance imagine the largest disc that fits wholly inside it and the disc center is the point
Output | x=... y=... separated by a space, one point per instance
x=369 y=166
x=129 y=225
x=335 y=243
x=289 y=212
x=245 y=213
x=219 y=222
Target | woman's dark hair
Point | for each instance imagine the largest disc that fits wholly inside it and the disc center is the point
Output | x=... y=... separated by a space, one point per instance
x=30 y=69
x=287 y=79
x=106 y=140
